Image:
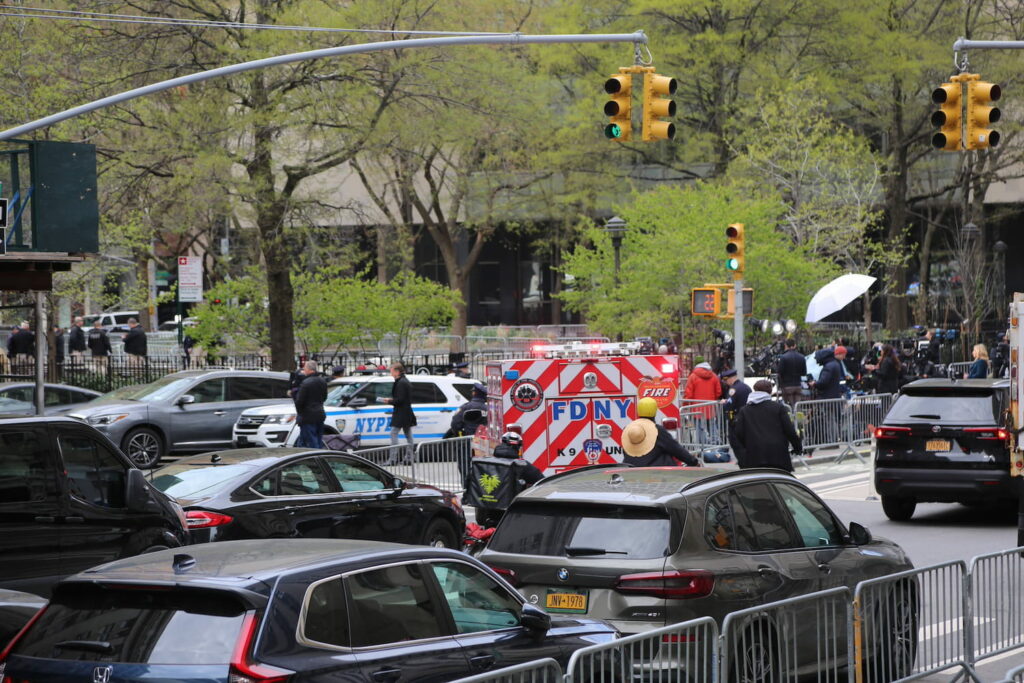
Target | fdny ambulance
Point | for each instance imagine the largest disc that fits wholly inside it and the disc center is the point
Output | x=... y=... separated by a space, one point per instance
x=571 y=402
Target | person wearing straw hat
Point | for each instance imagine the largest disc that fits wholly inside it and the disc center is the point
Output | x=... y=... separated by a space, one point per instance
x=647 y=444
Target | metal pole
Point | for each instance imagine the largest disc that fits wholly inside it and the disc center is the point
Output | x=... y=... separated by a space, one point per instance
x=40 y=354
x=502 y=39
x=738 y=359
x=963 y=45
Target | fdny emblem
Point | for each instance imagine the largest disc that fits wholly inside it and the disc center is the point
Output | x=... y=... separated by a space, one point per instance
x=592 y=449
x=527 y=395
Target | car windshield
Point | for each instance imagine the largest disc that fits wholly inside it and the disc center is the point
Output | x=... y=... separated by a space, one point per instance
x=160 y=390
x=611 y=532
x=953 y=407
x=340 y=393
x=191 y=481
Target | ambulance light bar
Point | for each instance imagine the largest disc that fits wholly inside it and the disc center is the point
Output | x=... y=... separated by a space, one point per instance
x=585 y=349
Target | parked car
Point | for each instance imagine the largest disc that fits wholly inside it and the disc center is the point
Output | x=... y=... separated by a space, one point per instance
x=70 y=500
x=18 y=398
x=16 y=608
x=354 y=409
x=184 y=412
x=303 y=610
x=298 y=493
x=944 y=441
x=113 y=321
x=647 y=547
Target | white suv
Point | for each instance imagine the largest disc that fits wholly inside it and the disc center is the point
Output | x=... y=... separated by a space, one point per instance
x=354 y=409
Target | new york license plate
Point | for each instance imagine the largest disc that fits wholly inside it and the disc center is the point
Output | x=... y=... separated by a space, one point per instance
x=566 y=601
x=937 y=445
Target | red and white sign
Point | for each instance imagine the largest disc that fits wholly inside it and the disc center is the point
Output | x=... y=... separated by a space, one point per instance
x=190 y=278
x=572 y=411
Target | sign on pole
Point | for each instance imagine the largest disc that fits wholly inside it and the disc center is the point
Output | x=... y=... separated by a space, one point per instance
x=190 y=279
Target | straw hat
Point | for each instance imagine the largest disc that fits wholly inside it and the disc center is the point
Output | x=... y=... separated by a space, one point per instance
x=638 y=438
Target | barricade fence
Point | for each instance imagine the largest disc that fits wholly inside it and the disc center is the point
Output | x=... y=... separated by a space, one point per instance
x=703 y=426
x=540 y=671
x=899 y=627
x=442 y=463
x=840 y=423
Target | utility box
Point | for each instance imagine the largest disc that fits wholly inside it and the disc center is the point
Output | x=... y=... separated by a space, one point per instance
x=64 y=203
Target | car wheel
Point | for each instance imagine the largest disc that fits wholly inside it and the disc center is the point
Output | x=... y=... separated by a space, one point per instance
x=895 y=634
x=440 y=534
x=755 y=657
x=898 y=509
x=144 y=447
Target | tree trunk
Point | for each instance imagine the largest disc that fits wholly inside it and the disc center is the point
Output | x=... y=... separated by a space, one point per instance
x=896 y=207
x=867 y=317
x=380 y=233
x=921 y=307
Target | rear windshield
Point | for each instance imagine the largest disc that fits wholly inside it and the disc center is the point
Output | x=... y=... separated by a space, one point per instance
x=612 y=532
x=145 y=627
x=191 y=481
x=959 y=407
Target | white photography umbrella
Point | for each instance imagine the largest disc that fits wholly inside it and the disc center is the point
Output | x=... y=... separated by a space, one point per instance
x=837 y=294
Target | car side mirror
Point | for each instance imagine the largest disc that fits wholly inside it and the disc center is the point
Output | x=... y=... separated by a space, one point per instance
x=670 y=423
x=185 y=399
x=859 y=534
x=137 y=496
x=357 y=402
x=534 y=619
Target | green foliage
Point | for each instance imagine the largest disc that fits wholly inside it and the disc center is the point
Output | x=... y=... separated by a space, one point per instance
x=675 y=241
x=241 y=316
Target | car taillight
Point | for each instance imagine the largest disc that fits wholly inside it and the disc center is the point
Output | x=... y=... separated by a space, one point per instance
x=243 y=669
x=695 y=583
x=507 y=574
x=890 y=432
x=14 y=641
x=988 y=433
x=204 y=519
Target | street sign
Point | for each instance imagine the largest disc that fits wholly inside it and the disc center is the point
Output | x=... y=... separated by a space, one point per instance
x=190 y=279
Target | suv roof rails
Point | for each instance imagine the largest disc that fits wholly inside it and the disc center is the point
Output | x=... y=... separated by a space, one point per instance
x=728 y=473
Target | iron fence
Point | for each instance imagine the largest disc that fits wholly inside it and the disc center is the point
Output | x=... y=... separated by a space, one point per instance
x=540 y=671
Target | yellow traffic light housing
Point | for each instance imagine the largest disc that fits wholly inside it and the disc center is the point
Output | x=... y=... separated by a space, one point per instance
x=657 y=107
x=619 y=107
x=981 y=113
x=705 y=301
x=947 y=118
x=735 y=249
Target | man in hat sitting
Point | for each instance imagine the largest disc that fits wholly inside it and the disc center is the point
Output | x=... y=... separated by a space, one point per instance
x=648 y=444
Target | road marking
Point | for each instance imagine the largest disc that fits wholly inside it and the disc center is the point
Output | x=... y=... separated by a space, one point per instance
x=838 y=480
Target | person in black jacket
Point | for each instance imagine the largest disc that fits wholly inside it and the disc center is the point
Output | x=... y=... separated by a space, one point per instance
x=763 y=431
x=99 y=343
x=647 y=444
x=829 y=384
x=135 y=341
x=309 y=407
x=23 y=345
x=792 y=368
x=887 y=371
x=461 y=426
x=402 y=417
x=76 y=340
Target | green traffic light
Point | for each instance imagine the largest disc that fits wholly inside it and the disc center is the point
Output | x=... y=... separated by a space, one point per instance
x=613 y=131
x=732 y=264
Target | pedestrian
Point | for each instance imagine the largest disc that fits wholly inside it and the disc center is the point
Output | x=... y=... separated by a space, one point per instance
x=792 y=369
x=24 y=344
x=337 y=372
x=460 y=370
x=309 y=407
x=510 y=447
x=830 y=379
x=12 y=342
x=887 y=371
x=135 y=342
x=979 y=368
x=463 y=426
x=295 y=380
x=402 y=417
x=764 y=432
x=76 y=340
x=647 y=444
x=703 y=385
x=737 y=394
x=58 y=345
x=99 y=344
x=188 y=344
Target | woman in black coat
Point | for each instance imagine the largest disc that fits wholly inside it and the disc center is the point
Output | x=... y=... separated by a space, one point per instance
x=887 y=371
x=402 y=417
x=764 y=432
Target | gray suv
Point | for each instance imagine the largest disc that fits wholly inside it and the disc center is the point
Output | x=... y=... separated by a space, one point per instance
x=643 y=548
x=185 y=412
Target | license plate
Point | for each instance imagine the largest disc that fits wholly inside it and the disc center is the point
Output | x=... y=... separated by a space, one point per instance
x=563 y=601
x=242 y=441
x=937 y=445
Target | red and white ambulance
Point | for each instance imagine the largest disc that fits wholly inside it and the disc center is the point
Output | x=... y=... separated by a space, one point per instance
x=571 y=402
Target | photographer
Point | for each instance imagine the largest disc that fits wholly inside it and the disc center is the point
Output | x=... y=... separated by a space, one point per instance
x=887 y=371
x=1001 y=357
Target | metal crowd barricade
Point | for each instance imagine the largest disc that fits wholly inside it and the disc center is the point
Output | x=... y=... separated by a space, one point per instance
x=1015 y=675
x=540 y=671
x=840 y=423
x=890 y=613
x=997 y=603
x=866 y=412
x=388 y=456
x=680 y=653
x=443 y=463
x=781 y=640
x=703 y=425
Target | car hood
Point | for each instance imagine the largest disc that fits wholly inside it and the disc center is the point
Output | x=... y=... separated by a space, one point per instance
x=104 y=405
x=285 y=407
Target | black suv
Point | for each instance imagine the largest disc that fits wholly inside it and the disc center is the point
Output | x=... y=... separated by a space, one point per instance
x=944 y=441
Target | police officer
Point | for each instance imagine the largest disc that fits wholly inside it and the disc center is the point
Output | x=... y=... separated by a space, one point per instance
x=737 y=393
x=461 y=426
x=647 y=444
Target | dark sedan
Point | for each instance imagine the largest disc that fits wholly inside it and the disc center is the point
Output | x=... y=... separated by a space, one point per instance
x=298 y=493
x=306 y=611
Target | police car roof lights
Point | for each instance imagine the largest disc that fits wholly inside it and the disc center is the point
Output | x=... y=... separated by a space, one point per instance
x=585 y=349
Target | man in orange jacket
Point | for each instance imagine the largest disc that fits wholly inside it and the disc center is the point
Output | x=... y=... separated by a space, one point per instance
x=703 y=385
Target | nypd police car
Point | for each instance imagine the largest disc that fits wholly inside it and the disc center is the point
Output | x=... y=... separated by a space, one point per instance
x=355 y=411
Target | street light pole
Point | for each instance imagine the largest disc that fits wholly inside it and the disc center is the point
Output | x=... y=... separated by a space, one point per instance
x=616 y=228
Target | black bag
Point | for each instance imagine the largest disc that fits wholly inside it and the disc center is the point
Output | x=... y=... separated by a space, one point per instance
x=492 y=483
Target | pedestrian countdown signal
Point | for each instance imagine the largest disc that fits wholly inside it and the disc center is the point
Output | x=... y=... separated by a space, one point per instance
x=705 y=301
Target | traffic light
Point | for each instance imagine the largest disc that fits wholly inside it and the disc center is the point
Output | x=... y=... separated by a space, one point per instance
x=748 y=302
x=981 y=113
x=705 y=301
x=947 y=118
x=657 y=107
x=619 y=107
x=734 y=248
